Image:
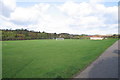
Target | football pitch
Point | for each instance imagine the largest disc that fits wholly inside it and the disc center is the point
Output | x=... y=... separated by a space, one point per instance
x=49 y=58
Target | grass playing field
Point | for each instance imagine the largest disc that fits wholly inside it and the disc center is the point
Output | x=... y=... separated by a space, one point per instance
x=49 y=58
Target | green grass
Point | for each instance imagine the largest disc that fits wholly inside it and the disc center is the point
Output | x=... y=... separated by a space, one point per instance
x=49 y=58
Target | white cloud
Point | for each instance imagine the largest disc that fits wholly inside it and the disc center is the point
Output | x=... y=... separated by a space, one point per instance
x=30 y=15
x=11 y=4
x=94 y=17
x=8 y=6
x=95 y=1
x=76 y=9
x=69 y=17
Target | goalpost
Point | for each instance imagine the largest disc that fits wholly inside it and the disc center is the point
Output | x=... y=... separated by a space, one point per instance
x=59 y=38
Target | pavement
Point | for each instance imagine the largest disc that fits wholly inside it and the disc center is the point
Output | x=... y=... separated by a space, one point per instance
x=106 y=66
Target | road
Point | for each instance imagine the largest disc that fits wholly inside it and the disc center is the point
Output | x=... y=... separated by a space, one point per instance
x=106 y=66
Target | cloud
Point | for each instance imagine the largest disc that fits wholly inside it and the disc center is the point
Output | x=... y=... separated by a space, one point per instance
x=89 y=17
x=8 y=6
x=29 y=15
x=68 y=17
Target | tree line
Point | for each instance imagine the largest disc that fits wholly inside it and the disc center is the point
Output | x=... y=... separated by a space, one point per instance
x=24 y=34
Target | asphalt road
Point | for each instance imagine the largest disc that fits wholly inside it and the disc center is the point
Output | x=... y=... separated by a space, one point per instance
x=106 y=66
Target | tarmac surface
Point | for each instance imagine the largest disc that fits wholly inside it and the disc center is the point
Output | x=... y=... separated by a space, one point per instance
x=106 y=66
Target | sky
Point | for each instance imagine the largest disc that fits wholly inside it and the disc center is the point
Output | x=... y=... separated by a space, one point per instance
x=61 y=16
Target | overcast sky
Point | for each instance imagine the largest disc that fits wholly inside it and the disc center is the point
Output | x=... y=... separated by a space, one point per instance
x=60 y=16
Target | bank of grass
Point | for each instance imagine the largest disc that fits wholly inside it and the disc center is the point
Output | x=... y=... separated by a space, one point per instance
x=50 y=58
